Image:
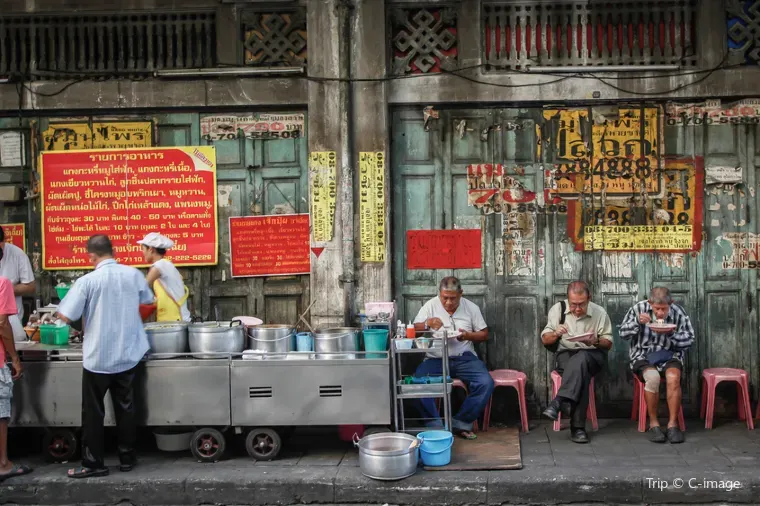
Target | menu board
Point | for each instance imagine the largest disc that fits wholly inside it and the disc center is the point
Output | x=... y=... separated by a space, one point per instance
x=275 y=245
x=15 y=233
x=126 y=194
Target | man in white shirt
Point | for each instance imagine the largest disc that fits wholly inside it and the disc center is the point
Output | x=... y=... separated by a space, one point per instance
x=16 y=267
x=463 y=319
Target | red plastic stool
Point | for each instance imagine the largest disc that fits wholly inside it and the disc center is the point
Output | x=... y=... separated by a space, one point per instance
x=640 y=406
x=710 y=379
x=516 y=380
x=590 y=412
x=459 y=384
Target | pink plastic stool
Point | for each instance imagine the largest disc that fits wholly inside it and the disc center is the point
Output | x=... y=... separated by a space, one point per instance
x=590 y=412
x=710 y=379
x=640 y=406
x=516 y=380
x=459 y=384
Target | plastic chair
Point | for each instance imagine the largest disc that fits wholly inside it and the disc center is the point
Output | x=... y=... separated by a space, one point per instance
x=640 y=407
x=457 y=383
x=710 y=379
x=516 y=380
x=590 y=412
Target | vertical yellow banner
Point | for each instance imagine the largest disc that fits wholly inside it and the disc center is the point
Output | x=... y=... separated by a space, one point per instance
x=372 y=205
x=324 y=187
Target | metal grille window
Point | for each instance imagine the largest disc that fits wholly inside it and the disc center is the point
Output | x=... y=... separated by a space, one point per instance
x=520 y=34
x=107 y=42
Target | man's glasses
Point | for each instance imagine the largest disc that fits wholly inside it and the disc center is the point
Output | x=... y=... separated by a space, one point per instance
x=578 y=306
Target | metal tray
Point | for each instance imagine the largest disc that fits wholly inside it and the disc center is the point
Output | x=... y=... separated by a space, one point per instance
x=433 y=388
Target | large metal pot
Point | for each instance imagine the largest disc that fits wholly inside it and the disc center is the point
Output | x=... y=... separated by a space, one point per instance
x=271 y=338
x=388 y=456
x=216 y=339
x=331 y=344
x=167 y=339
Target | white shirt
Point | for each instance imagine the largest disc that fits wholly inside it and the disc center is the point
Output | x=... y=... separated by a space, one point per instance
x=172 y=281
x=16 y=267
x=467 y=317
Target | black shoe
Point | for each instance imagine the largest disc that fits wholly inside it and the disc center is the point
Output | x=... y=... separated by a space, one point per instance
x=675 y=436
x=656 y=435
x=578 y=436
x=552 y=410
x=567 y=408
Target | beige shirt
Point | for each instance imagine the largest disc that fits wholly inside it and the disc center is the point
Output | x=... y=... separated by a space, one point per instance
x=595 y=320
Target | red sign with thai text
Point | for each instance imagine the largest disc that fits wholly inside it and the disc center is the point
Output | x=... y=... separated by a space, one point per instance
x=275 y=245
x=126 y=194
x=443 y=249
x=15 y=233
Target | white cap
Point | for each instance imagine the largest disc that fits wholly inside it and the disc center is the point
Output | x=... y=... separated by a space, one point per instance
x=156 y=240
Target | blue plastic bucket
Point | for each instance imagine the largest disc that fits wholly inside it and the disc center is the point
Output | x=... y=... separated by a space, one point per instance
x=375 y=340
x=304 y=341
x=435 y=450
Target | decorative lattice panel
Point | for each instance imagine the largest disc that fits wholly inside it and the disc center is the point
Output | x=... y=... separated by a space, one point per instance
x=743 y=29
x=275 y=38
x=107 y=42
x=520 y=34
x=424 y=40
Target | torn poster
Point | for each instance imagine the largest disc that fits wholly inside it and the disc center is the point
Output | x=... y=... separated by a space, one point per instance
x=741 y=250
x=723 y=175
x=491 y=190
x=252 y=126
x=11 y=149
x=713 y=112
x=444 y=249
x=324 y=188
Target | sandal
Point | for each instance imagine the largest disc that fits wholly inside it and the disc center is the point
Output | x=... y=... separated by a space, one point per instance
x=86 y=472
x=656 y=435
x=675 y=436
x=466 y=434
x=16 y=470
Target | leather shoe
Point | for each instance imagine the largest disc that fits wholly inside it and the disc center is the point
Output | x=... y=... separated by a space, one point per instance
x=567 y=408
x=552 y=410
x=579 y=436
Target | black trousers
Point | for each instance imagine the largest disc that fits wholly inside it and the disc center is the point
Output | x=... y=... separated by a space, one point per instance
x=94 y=388
x=577 y=368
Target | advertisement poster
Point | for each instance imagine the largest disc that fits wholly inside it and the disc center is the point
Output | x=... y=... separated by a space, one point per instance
x=252 y=126
x=97 y=135
x=323 y=174
x=126 y=194
x=15 y=233
x=276 y=245
x=372 y=205
x=444 y=249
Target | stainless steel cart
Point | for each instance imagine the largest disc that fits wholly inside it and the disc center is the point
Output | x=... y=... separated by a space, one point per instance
x=403 y=391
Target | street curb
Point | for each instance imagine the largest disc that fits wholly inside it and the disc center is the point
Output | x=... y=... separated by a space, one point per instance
x=230 y=483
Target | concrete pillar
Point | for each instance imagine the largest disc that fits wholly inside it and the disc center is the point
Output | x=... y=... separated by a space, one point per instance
x=371 y=132
x=332 y=276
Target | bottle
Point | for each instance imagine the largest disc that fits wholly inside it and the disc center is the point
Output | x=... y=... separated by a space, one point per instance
x=410 y=332
x=400 y=330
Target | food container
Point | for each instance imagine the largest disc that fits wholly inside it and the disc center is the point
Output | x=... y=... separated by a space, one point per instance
x=167 y=339
x=332 y=344
x=271 y=338
x=403 y=343
x=172 y=440
x=248 y=321
x=388 y=456
x=216 y=339
x=54 y=334
x=61 y=291
x=423 y=343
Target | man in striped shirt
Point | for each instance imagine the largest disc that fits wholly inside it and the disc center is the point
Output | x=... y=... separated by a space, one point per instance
x=659 y=350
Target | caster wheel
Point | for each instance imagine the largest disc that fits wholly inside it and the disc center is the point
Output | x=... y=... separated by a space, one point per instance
x=376 y=430
x=207 y=445
x=60 y=445
x=263 y=444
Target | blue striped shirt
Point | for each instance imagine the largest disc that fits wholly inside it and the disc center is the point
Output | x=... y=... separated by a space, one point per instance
x=109 y=300
x=643 y=341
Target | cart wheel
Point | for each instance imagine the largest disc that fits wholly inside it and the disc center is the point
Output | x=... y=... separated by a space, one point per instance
x=207 y=445
x=60 y=445
x=263 y=444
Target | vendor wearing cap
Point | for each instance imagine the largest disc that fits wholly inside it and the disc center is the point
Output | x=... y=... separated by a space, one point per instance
x=165 y=280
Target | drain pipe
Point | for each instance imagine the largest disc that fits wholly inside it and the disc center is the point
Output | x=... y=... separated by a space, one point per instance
x=348 y=278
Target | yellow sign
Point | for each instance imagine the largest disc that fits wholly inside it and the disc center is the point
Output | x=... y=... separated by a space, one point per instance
x=372 y=205
x=641 y=237
x=324 y=188
x=97 y=135
x=623 y=154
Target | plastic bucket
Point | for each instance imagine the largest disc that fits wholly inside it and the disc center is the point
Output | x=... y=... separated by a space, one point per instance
x=304 y=341
x=435 y=450
x=346 y=432
x=375 y=340
x=61 y=291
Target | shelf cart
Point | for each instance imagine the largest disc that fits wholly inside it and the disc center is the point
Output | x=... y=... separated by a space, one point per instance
x=403 y=391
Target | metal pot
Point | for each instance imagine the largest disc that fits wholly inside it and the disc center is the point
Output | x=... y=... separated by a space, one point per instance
x=388 y=456
x=168 y=339
x=331 y=344
x=216 y=339
x=271 y=338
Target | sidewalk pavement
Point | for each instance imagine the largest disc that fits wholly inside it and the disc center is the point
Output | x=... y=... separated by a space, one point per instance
x=619 y=466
